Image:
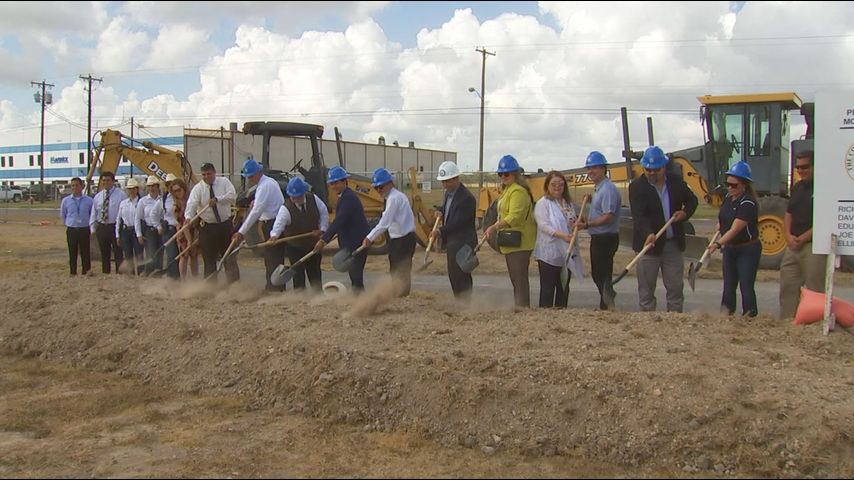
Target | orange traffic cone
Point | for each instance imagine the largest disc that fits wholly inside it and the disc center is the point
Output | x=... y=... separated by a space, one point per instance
x=811 y=309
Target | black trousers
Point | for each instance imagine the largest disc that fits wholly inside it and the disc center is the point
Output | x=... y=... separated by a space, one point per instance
x=357 y=272
x=273 y=257
x=400 y=252
x=310 y=268
x=214 y=239
x=602 y=250
x=78 y=244
x=105 y=234
x=461 y=282
x=552 y=292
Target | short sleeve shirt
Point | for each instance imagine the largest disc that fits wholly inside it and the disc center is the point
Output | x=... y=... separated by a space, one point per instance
x=743 y=208
x=800 y=207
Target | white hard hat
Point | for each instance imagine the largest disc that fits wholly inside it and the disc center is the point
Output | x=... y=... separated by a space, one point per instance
x=152 y=180
x=447 y=171
x=132 y=183
x=170 y=177
x=333 y=288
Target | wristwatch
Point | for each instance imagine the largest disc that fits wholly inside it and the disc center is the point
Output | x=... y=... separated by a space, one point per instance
x=719 y=244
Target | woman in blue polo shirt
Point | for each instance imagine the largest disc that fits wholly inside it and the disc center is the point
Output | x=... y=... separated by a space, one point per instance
x=738 y=221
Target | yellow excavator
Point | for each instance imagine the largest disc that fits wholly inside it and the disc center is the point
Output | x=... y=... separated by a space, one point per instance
x=372 y=202
x=152 y=159
x=753 y=128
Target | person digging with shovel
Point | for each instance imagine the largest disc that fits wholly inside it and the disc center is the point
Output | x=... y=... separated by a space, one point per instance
x=303 y=212
x=216 y=224
x=350 y=225
x=603 y=225
x=738 y=223
x=656 y=197
x=555 y=217
x=399 y=221
x=458 y=211
x=268 y=199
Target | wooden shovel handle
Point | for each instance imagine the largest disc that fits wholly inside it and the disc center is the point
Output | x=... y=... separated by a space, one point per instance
x=186 y=225
x=647 y=247
x=435 y=227
x=706 y=252
x=575 y=229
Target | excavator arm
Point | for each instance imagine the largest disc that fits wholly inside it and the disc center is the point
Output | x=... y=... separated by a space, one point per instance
x=157 y=160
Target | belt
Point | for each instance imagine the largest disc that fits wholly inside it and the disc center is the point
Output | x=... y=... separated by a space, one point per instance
x=749 y=242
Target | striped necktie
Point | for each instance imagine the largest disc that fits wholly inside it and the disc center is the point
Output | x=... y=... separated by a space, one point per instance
x=105 y=208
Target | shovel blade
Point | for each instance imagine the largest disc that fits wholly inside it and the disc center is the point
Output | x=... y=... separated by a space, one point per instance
x=467 y=259
x=342 y=260
x=692 y=273
x=424 y=266
x=281 y=275
x=620 y=277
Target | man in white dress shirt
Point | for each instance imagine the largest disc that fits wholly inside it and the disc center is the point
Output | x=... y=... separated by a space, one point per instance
x=303 y=212
x=216 y=224
x=399 y=221
x=268 y=199
x=102 y=221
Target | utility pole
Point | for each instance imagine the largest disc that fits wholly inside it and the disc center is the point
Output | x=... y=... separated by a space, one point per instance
x=89 y=129
x=43 y=99
x=131 y=144
x=483 y=52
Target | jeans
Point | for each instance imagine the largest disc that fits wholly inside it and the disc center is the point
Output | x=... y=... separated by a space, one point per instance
x=552 y=292
x=740 y=263
x=603 y=247
x=171 y=252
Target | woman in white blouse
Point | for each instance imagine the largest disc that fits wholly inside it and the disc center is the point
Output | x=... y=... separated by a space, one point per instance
x=555 y=216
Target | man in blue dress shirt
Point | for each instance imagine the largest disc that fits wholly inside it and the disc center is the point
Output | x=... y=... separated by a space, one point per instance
x=75 y=212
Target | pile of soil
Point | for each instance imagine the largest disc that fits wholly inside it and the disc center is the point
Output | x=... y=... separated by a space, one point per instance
x=693 y=393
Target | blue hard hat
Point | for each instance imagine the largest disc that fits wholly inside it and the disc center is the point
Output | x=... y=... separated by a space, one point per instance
x=335 y=174
x=654 y=158
x=595 y=159
x=741 y=170
x=381 y=177
x=507 y=164
x=250 y=168
x=296 y=187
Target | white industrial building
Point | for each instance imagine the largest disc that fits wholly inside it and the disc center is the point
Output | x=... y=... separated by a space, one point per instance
x=226 y=148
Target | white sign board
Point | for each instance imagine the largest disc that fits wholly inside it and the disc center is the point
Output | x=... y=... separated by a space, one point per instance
x=833 y=198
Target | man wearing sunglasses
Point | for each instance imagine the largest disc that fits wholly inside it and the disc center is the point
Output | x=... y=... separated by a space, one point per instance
x=655 y=198
x=800 y=267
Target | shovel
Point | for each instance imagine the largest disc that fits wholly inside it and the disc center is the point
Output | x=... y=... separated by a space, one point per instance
x=178 y=257
x=278 y=241
x=343 y=259
x=429 y=245
x=228 y=253
x=467 y=257
x=694 y=268
x=564 y=270
x=643 y=251
x=175 y=237
x=282 y=274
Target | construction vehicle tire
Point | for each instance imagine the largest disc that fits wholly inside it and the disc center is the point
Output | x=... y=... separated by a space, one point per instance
x=772 y=233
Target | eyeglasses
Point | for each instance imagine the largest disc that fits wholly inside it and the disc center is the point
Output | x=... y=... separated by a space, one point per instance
x=732 y=185
x=802 y=167
x=652 y=170
x=505 y=174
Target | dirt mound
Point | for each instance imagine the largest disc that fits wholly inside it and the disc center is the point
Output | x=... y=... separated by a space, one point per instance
x=691 y=393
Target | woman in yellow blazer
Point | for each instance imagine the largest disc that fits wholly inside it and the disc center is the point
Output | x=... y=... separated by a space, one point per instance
x=516 y=227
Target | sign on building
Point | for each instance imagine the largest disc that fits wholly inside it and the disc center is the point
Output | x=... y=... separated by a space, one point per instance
x=833 y=200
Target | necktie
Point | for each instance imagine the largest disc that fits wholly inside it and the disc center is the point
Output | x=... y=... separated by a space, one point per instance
x=302 y=208
x=105 y=208
x=216 y=207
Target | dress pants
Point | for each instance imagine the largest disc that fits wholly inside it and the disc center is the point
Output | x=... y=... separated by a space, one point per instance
x=214 y=239
x=78 y=244
x=400 y=252
x=310 y=268
x=105 y=233
x=461 y=282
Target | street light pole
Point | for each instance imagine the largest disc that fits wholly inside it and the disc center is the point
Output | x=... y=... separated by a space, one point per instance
x=482 y=102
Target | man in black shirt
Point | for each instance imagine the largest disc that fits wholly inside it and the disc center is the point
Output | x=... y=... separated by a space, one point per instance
x=800 y=266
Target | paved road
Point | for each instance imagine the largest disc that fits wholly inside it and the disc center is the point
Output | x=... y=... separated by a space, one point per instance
x=496 y=290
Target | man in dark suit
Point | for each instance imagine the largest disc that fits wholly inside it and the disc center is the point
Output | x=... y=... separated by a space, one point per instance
x=656 y=197
x=350 y=225
x=458 y=211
